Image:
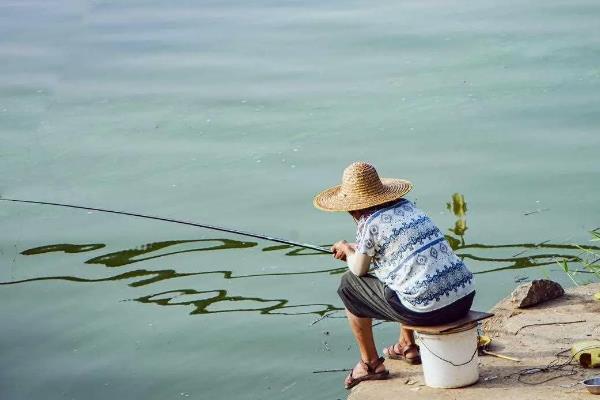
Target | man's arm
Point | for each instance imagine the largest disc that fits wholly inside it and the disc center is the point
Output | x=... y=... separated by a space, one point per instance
x=357 y=263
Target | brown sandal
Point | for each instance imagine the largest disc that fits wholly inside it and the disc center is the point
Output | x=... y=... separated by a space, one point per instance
x=392 y=354
x=370 y=376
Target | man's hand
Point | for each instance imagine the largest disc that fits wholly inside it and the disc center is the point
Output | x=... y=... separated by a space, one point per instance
x=358 y=263
x=341 y=250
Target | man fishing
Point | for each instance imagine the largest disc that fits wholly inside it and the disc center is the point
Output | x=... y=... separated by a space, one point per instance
x=415 y=278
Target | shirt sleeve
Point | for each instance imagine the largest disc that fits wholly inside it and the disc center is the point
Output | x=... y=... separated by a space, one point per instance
x=359 y=263
x=367 y=239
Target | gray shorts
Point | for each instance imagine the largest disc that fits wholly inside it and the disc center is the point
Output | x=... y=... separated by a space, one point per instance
x=368 y=297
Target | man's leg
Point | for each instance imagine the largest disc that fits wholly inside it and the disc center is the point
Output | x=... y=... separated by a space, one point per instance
x=407 y=336
x=363 y=334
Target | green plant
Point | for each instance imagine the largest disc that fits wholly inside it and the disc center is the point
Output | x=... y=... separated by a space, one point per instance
x=591 y=264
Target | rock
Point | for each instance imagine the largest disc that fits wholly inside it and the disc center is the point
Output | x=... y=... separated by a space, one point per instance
x=536 y=292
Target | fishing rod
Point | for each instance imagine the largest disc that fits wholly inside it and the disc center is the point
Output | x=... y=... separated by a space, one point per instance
x=177 y=221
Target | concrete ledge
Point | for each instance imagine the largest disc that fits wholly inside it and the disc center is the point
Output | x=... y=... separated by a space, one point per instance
x=514 y=334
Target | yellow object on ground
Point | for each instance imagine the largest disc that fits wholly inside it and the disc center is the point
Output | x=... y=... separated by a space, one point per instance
x=485 y=341
x=587 y=353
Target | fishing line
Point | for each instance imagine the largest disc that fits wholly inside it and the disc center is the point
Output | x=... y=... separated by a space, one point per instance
x=177 y=221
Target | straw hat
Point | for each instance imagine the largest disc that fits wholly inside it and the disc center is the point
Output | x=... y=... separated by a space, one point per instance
x=361 y=188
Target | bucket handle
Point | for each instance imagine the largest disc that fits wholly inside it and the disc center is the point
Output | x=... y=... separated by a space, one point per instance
x=448 y=361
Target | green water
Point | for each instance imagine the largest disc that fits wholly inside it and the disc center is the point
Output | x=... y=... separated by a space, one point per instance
x=237 y=113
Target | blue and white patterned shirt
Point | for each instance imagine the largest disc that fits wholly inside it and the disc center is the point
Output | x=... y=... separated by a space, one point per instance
x=412 y=257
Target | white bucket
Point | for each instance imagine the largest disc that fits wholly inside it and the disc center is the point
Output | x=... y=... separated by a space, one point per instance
x=450 y=360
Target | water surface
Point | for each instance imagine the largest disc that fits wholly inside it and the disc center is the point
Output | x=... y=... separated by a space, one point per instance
x=236 y=113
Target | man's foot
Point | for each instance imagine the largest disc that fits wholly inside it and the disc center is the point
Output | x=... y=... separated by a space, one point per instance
x=363 y=371
x=408 y=352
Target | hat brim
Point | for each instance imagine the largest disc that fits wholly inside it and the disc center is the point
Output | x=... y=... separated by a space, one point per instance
x=332 y=200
